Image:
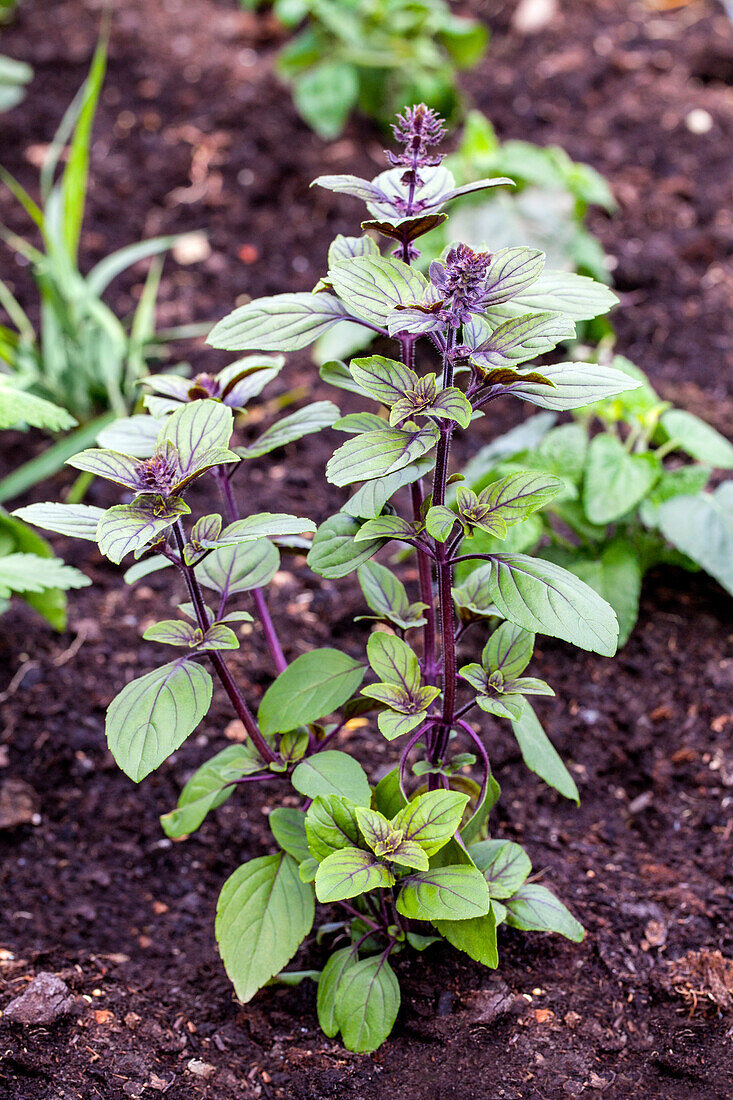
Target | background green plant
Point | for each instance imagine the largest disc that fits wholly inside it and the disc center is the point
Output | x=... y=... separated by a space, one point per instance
x=83 y=356
x=635 y=493
x=28 y=567
x=374 y=56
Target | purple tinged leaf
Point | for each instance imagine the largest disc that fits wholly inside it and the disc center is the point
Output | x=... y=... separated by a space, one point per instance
x=349 y=872
x=387 y=527
x=477 y=185
x=454 y=892
x=345 y=248
x=431 y=819
x=504 y=864
x=440 y=521
x=410 y=228
x=350 y=185
x=285 y=322
x=239 y=568
x=574 y=385
x=313 y=418
x=197 y=431
x=335 y=552
x=384 y=379
x=508 y=650
x=452 y=404
x=535 y=909
x=131 y=435
x=394 y=661
x=522 y=338
x=153 y=715
x=133 y=527
x=373 y=286
x=511 y=271
x=358 y=423
x=77 y=520
x=375 y=454
x=111 y=465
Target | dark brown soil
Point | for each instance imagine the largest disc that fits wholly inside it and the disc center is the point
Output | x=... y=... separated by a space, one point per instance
x=194 y=132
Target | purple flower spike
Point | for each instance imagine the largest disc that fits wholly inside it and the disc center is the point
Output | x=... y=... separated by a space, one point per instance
x=460 y=279
x=417 y=129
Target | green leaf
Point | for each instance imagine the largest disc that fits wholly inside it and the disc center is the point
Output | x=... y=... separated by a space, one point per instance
x=313 y=686
x=616 y=576
x=367 y=1003
x=199 y=431
x=343 y=248
x=331 y=975
x=440 y=521
x=18 y=407
x=431 y=819
x=288 y=828
x=476 y=936
x=332 y=772
x=373 y=286
x=375 y=454
x=541 y=597
x=388 y=796
x=131 y=435
x=387 y=842
x=263 y=915
x=127 y=527
x=285 y=322
x=331 y=824
x=78 y=520
x=313 y=418
x=539 y=754
x=504 y=864
x=265 y=525
x=334 y=553
x=30 y=573
x=369 y=500
x=579 y=297
x=535 y=909
x=508 y=650
x=574 y=385
x=349 y=872
x=393 y=661
x=386 y=380
x=210 y=786
x=386 y=595
x=239 y=568
x=324 y=96
x=74 y=178
x=702 y=528
x=455 y=892
x=698 y=439
x=153 y=715
x=451 y=404
x=615 y=480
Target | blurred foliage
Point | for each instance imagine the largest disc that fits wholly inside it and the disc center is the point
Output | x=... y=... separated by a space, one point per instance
x=374 y=56
x=83 y=357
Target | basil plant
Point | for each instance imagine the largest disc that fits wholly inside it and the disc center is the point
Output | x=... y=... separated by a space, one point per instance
x=412 y=859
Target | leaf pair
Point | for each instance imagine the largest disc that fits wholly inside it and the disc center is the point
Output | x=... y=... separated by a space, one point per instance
x=401 y=691
x=408 y=394
x=496 y=507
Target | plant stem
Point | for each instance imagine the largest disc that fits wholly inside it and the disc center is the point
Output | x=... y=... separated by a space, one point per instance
x=425 y=574
x=242 y=710
x=445 y=579
x=258 y=596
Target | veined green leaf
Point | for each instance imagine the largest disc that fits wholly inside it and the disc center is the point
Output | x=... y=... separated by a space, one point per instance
x=330 y=824
x=332 y=773
x=373 y=286
x=263 y=915
x=210 y=786
x=153 y=715
x=454 y=892
x=313 y=418
x=349 y=872
x=313 y=686
x=504 y=864
x=375 y=454
x=535 y=909
x=540 y=755
x=367 y=1001
x=285 y=322
x=541 y=597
